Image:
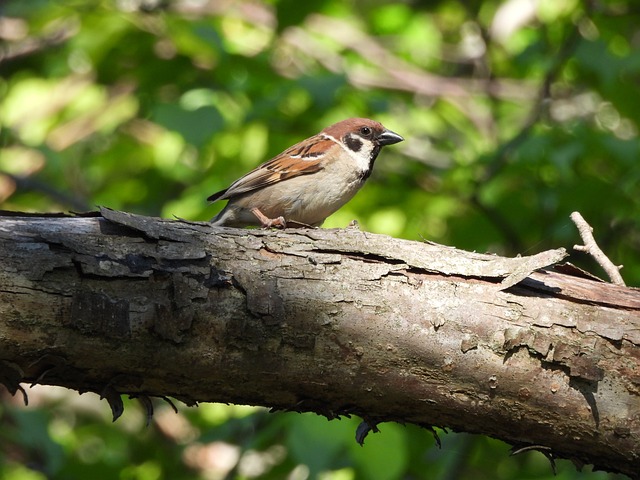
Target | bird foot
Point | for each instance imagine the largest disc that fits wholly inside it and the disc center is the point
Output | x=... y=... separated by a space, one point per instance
x=267 y=222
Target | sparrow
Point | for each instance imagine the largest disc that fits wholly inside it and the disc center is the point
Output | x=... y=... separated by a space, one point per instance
x=307 y=182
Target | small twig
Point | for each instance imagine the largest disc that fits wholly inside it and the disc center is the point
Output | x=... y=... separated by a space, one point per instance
x=32 y=45
x=591 y=247
x=504 y=152
x=539 y=106
x=390 y=71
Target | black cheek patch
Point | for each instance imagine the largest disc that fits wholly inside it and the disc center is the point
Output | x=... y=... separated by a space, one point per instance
x=353 y=143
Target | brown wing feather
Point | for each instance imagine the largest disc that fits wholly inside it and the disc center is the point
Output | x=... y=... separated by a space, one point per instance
x=303 y=158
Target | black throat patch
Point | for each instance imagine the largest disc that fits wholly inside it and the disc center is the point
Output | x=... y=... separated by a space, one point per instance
x=353 y=143
x=374 y=154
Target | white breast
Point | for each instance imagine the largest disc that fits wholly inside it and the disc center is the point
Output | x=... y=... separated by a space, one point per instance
x=312 y=201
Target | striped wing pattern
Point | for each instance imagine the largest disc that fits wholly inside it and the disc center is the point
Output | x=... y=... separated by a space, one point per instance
x=303 y=158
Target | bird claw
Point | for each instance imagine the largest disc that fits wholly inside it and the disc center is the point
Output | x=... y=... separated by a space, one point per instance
x=267 y=222
x=279 y=222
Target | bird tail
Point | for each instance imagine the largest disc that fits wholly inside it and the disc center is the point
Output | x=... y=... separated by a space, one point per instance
x=217 y=195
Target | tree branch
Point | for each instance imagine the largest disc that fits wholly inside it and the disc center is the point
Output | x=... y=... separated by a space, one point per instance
x=332 y=321
x=31 y=45
x=591 y=247
x=388 y=71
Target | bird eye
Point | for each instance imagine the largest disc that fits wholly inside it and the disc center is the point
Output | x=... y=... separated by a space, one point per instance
x=365 y=131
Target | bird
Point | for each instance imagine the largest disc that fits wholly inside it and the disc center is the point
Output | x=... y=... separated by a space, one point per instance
x=307 y=182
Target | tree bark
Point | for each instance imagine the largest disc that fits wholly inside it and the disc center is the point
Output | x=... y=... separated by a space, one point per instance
x=332 y=321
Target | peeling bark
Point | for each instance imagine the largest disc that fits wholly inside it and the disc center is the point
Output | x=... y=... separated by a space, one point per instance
x=331 y=321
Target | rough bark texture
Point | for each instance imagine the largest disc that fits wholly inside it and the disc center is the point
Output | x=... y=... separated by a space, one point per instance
x=331 y=321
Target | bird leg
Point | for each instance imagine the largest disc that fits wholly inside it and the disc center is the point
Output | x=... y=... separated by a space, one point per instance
x=267 y=222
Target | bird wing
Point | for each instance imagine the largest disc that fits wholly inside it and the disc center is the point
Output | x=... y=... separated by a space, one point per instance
x=303 y=158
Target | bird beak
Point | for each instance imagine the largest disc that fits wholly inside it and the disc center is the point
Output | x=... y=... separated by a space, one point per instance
x=389 y=138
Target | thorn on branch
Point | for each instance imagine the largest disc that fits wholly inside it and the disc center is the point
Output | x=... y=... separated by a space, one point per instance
x=25 y=397
x=173 y=405
x=363 y=430
x=148 y=406
x=435 y=435
x=546 y=451
x=591 y=247
x=115 y=401
x=10 y=376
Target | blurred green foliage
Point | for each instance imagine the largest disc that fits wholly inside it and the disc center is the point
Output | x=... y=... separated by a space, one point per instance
x=516 y=113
